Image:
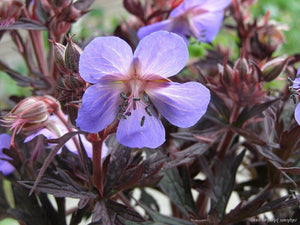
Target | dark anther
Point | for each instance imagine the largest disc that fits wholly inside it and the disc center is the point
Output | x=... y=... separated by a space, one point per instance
x=148 y=111
x=121 y=116
x=142 y=121
x=146 y=99
x=123 y=96
x=122 y=108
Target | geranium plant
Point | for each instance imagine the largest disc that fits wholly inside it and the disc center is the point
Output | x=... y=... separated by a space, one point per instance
x=163 y=104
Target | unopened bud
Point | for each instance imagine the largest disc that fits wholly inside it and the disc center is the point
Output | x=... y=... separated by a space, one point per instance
x=241 y=65
x=73 y=82
x=72 y=54
x=227 y=73
x=30 y=113
x=274 y=68
x=59 y=53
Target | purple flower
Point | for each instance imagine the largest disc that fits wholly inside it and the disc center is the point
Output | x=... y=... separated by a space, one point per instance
x=129 y=86
x=199 y=18
x=54 y=128
x=296 y=87
x=5 y=167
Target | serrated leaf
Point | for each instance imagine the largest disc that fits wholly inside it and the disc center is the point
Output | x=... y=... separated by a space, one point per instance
x=247 y=210
x=280 y=203
x=27 y=208
x=184 y=135
x=250 y=112
x=24 y=23
x=172 y=185
x=124 y=212
x=289 y=142
x=22 y=80
x=101 y=215
x=119 y=160
x=224 y=180
x=148 y=200
x=112 y=213
x=61 y=186
x=61 y=141
x=187 y=155
x=160 y=219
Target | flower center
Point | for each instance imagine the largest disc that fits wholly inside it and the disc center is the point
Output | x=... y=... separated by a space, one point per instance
x=135 y=99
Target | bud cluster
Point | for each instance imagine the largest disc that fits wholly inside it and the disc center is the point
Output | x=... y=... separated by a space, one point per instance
x=260 y=38
x=72 y=86
x=59 y=14
x=241 y=84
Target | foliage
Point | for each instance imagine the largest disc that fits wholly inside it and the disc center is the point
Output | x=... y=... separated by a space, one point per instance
x=248 y=128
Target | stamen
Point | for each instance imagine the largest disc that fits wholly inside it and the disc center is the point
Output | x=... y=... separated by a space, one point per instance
x=122 y=108
x=121 y=116
x=126 y=103
x=148 y=111
x=123 y=95
x=136 y=98
x=293 y=97
x=146 y=99
x=128 y=114
x=143 y=121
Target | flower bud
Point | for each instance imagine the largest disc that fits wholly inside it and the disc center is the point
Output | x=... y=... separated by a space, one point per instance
x=241 y=65
x=30 y=113
x=72 y=54
x=73 y=82
x=59 y=53
x=274 y=68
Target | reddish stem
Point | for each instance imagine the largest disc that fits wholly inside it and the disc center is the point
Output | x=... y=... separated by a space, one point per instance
x=38 y=47
x=61 y=116
x=97 y=166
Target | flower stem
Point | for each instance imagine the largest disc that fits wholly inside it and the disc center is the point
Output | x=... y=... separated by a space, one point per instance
x=97 y=166
x=61 y=116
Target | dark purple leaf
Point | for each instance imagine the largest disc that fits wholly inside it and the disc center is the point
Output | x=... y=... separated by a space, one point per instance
x=61 y=186
x=112 y=213
x=291 y=170
x=186 y=156
x=135 y=7
x=289 y=142
x=254 y=111
x=223 y=183
x=61 y=141
x=124 y=212
x=280 y=203
x=22 y=80
x=175 y=188
x=251 y=136
x=40 y=12
x=101 y=215
x=148 y=200
x=119 y=160
x=162 y=219
x=241 y=212
x=24 y=24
